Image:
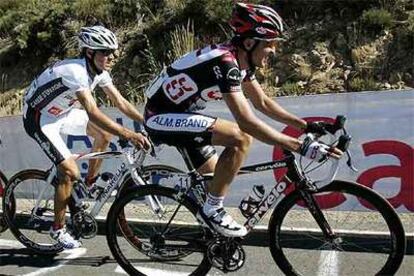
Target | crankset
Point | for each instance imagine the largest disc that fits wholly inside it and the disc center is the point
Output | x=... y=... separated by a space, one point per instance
x=84 y=225
x=226 y=254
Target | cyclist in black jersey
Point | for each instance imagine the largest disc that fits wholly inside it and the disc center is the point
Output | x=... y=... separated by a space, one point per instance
x=218 y=72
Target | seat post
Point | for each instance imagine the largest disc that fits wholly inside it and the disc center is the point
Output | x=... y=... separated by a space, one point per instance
x=184 y=153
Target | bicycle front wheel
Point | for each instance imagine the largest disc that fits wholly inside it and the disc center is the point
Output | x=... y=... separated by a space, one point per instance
x=167 y=236
x=3 y=223
x=368 y=238
x=29 y=210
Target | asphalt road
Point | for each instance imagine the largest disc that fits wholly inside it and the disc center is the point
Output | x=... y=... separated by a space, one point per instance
x=95 y=259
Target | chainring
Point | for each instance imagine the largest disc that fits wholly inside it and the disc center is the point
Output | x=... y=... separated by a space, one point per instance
x=84 y=225
x=226 y=254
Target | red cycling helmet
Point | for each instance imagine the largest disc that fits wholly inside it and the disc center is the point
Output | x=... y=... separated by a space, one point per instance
x=257 y=22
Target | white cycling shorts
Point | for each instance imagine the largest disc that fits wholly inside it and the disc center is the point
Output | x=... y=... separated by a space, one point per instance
x=48 y=131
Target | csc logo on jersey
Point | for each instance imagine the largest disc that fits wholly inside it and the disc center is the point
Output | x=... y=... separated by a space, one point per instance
x=234 y=75
x=179 y=87
x=211 y=94
x=217 y=72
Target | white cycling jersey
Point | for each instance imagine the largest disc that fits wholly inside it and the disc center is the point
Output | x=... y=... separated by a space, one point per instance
x=53 y=92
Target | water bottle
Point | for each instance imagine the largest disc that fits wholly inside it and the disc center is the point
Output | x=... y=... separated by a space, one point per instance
x=103 y=180
x=100 y=184
x=250 y=203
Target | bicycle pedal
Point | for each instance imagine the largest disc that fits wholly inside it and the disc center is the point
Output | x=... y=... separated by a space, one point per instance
x=85 y=205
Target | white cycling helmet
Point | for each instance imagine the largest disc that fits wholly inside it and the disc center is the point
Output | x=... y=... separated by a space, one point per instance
x=97 y=38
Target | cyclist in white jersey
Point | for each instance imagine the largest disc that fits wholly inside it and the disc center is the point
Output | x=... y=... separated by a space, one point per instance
x=59 y=101
x=217 y=72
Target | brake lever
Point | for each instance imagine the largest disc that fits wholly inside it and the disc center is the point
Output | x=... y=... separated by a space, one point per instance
x=152 y=151
x=349 y=162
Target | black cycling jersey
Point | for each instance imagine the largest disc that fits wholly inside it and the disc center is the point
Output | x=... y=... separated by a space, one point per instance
x=195 y=79
x=185 y=87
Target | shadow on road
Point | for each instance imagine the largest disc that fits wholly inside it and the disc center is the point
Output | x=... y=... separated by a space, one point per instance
x=25 y=258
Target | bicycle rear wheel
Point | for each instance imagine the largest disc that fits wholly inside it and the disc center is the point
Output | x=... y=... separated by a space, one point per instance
x=3 y=182
x=168 y=240
x=369 y=236
x=164 y=175
x=153 y=175
x=157 y=174
x=29 y=210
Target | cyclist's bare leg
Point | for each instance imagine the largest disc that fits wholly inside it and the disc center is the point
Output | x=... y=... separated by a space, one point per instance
x=68 y=172
x=100 y=143
x=208 y=167
x=237 y=144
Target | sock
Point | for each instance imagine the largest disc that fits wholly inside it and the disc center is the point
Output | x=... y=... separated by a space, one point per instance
x=212 y=204
x=57 y=226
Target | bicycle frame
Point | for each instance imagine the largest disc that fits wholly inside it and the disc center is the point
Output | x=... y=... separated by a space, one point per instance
x=129 y=164
x=276 y=194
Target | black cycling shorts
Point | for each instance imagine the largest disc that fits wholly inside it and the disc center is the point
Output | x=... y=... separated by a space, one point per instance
x=189 y=132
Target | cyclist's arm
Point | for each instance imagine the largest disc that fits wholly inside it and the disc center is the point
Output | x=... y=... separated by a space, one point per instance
x=99 y=118
x=249 y=123
x=122 y=104
x=269 y=107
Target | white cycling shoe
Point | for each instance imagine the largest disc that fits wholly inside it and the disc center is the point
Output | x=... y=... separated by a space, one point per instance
x=222 y=222
x=64 y=238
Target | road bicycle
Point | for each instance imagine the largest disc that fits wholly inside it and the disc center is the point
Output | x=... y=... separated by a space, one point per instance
x=29 y=206
x=3 y=181
x=306 y=235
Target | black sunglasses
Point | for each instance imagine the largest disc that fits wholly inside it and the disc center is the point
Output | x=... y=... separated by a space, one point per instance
x=108 y=52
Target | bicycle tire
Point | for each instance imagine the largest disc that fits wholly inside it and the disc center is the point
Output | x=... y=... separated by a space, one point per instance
x=152 y=175
x=3 y=182
x=116 y=245
x=283 y=243
x=21 y=223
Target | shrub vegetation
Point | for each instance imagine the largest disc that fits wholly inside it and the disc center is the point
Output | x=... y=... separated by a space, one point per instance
x=334 y=46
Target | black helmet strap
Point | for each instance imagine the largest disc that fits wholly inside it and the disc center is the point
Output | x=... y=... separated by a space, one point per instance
x=250 y=55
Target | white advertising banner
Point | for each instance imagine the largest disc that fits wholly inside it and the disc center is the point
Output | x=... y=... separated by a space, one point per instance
x=381 y=124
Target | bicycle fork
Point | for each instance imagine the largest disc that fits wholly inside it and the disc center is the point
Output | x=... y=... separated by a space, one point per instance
x=151 y=201
x=49 y=181
x=318 y=215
